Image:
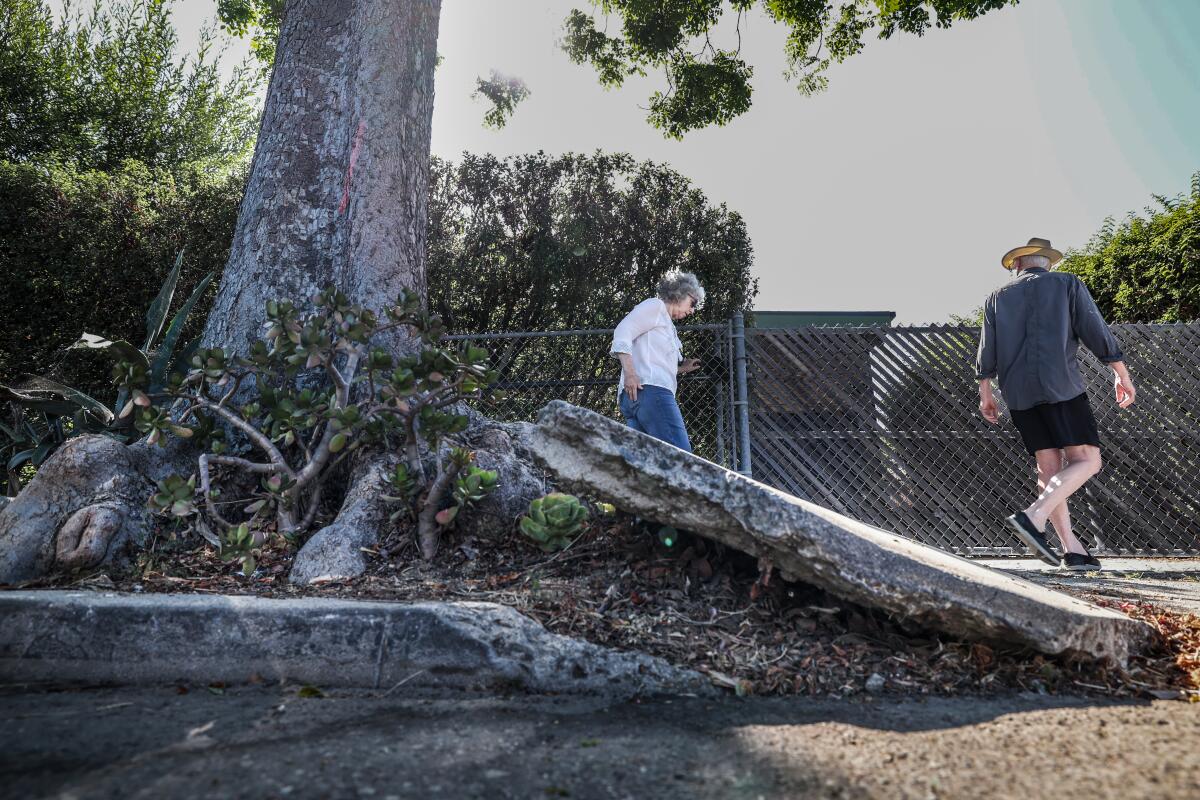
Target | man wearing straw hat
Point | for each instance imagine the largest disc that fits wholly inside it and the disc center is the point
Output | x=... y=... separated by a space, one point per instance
x=1032 y=327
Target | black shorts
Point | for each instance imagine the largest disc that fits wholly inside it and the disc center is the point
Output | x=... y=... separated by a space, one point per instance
x=1052 y=426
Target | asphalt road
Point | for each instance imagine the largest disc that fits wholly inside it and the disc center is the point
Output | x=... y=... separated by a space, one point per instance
x=271 y=742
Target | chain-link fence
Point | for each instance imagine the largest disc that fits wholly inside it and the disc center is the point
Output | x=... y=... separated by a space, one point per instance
x=575 y=366
x=882 y=424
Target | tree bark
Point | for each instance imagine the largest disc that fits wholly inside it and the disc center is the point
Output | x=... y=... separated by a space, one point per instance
x=85 y=508
x=337 y=196
x=338 y=188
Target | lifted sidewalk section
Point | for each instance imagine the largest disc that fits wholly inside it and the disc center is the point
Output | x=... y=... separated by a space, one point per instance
x=848 y=558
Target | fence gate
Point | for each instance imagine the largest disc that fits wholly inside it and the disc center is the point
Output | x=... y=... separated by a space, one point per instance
x=882 y=424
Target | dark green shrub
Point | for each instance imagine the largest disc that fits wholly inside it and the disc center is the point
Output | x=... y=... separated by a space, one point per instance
x=103 y=82
x=538 y=242
x=40 y=414
x=85 y=251
x=1146 y=269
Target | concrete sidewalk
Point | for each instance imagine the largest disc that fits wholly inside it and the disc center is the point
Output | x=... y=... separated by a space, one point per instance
x=1173 y=583
x=151 y=743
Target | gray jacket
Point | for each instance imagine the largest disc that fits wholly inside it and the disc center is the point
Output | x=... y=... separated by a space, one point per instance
x=1032 y=327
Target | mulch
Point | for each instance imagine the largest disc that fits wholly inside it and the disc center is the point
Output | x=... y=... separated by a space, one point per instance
x=697 y=605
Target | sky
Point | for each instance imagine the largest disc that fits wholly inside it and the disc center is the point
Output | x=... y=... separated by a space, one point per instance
x=901 y=186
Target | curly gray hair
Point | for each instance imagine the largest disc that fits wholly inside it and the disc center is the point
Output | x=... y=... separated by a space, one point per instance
x=1033 y=262
x=675 y=287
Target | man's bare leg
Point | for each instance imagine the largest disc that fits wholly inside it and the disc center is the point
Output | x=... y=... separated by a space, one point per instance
x=1049 y=464
x=1082 y=462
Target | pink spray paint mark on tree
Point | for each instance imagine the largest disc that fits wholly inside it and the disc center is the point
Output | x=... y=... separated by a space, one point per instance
x=358 y=137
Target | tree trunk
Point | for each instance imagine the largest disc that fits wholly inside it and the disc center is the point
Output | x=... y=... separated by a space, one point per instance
x=338 y=188
x=337 y=196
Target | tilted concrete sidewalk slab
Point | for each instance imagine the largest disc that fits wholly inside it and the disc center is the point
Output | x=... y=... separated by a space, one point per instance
x=853 y=560
x=156 y=638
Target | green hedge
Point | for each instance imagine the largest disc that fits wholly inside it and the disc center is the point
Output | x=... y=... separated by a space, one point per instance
x=1146 y=268
x=88 y=251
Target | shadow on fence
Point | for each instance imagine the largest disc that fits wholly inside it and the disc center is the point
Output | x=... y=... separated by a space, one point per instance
x=882 y=424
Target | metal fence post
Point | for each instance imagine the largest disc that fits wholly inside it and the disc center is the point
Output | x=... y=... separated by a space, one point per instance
x=741 y=401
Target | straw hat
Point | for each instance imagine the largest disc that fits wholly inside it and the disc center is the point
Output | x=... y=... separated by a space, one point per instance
x=1036 y=247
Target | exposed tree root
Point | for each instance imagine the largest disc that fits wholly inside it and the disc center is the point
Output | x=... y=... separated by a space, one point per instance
x=335 y=551
x=86 y=507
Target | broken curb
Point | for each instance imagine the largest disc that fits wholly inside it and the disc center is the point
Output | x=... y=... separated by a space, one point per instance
x=77 y=636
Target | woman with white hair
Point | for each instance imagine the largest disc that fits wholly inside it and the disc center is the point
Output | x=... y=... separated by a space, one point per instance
x=651 y=357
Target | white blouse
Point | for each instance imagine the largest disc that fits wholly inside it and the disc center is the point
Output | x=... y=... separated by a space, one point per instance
x=648 y=334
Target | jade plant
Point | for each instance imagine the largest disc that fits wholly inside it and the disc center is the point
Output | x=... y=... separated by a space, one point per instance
x=554 y=520
x=307 y=397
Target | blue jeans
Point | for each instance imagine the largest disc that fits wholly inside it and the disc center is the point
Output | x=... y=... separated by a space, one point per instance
x=655 y=412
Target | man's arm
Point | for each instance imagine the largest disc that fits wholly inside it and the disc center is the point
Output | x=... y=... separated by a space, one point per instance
x=987 y=401
x=1122 y=384
x=985 y=363
x=1093 y=331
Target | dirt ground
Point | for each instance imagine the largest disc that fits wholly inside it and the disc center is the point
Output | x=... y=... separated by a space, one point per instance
x=702 y=606
x=271 y=742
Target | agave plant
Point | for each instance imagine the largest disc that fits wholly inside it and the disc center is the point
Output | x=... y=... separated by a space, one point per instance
x=42 y=414
x=553 y=520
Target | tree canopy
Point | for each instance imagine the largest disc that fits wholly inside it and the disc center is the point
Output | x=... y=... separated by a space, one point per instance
x=101 y=87
x=709 y=83
x=695 y=44
x=540 y=243
x=258 y=19
x=1147 y=268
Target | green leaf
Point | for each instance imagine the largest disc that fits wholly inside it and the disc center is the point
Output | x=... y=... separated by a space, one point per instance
x=54 y=398
x=162 y=361
x=119 y=350
x=309 y=690
x=256 y=506
x=184 y=357
x=21 y=458
x=156 y=315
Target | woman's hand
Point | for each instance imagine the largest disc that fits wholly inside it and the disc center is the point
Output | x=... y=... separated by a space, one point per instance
x=633 y=384
x=688 y=365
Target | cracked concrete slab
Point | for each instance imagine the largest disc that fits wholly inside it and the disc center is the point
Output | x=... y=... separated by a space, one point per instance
x=859 y=562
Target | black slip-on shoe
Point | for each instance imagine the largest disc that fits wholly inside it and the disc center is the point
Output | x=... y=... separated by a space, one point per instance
x=1080 y=562
x=1034 y=539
